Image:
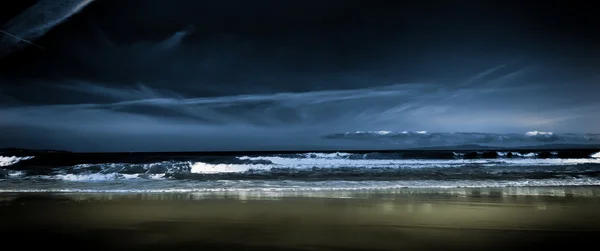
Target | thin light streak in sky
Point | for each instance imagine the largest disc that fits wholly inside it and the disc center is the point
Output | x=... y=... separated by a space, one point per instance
x=21 y=39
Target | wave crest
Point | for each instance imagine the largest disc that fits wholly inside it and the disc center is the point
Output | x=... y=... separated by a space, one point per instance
x=11 y=160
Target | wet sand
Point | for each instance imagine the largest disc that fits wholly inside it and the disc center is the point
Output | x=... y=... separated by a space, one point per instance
x=406 y=219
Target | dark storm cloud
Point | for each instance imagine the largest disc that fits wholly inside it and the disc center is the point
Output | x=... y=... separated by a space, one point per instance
x=194 y=75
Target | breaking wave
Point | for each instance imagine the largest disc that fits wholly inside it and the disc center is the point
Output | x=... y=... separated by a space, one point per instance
x=11 y=160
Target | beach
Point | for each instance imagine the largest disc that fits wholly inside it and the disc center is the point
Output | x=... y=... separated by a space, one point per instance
x=402 y=219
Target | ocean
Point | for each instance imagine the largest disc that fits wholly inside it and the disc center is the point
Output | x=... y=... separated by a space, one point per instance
x=55 y=171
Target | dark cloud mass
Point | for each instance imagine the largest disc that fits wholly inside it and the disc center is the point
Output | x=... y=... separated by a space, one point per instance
x=153 y=75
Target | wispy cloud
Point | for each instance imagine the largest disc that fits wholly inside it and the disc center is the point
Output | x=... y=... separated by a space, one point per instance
x=134 y=115
x=37 y=21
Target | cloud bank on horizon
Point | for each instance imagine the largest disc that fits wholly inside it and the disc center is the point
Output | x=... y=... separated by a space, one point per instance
x=36 y=21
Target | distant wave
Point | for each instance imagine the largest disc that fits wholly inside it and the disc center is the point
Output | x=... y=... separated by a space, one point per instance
x=426 y=139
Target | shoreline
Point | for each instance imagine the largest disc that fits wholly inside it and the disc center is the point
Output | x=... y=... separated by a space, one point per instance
x=348 y=193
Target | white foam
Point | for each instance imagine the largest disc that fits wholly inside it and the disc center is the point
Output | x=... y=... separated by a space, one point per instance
x=10 y=174
x=15 y=173
x=327 y=155
x=538 y=133
x=595 y=155
x=382 y=133
x=204 y=168
x=11 y=160
x=99 y=177
x=148 y=168
x=306 y=163
x=372 y=132
x=302 y=186
x=527 y=155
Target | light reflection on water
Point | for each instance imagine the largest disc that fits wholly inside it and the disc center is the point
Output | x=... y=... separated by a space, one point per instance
x=386 y=194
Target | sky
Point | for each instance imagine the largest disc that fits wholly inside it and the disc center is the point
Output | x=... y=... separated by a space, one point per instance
x=185 y=75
